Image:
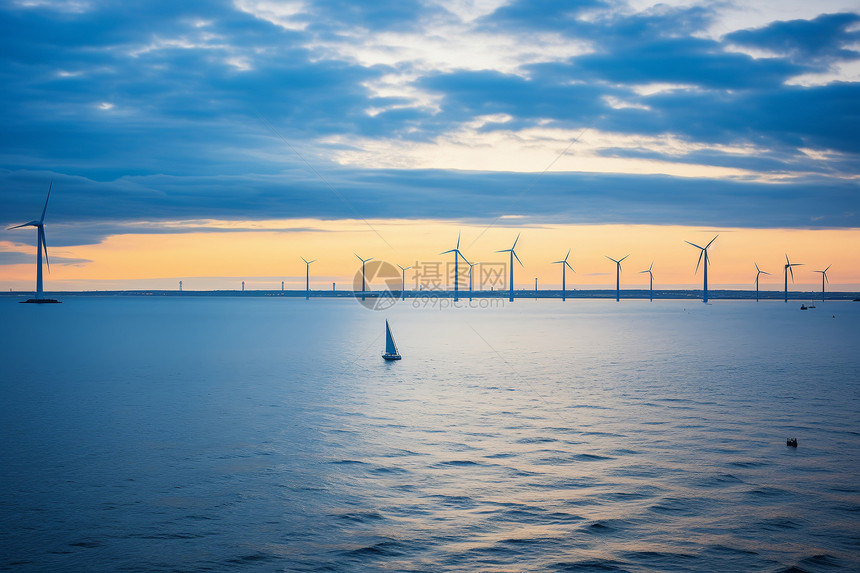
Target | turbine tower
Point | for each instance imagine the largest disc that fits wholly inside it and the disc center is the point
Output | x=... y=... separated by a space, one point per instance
x=457 y=253
x=363 y=281
x=513 y=255
x=308 y=277
x=617 y=275
x=823 y=279
x=704 y=253
x=403 y=281
x=786 y=270
x=564 y=266
x=40 y=246
x=650 y=281
x=758 y=272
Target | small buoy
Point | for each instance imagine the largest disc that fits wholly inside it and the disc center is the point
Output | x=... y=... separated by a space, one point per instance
x=792 y=442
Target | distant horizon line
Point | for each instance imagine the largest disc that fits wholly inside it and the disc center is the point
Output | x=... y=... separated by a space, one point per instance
x=663 y=294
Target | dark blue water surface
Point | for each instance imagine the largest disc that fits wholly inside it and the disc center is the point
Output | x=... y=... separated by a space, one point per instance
x=211 y=434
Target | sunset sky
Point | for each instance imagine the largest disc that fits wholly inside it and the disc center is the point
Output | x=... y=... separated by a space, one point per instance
x=215 y=142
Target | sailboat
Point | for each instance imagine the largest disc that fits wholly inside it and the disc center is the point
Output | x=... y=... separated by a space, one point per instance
x=390 y=348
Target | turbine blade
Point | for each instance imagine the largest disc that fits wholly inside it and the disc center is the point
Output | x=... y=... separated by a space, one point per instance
x=828 y=268
x=567 y=255
x=44 y=246
x=694 y=244
x=624 y=257
x=313 y=261
x=756 y=267
x=568 y=265
x=302 y=258
x=712 y=240
x=515 y=242
x=764 y=272
x=786 y=259
x=446 y=252
x=463 y=257
x=611 y=259
x=792 y=272
x=458 y=240
x=700 y=260
x=514 y=253
x=359 y=258
x=30 y=224
x=45 y=208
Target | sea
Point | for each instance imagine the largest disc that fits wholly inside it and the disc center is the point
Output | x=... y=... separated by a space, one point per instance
x=267 y=434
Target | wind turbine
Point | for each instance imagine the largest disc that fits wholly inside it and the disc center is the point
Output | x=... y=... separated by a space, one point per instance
x=650 y=280
x=564 y=266
x=757 y=273
x=704 y=253
x=824 y=278
x=363 y=282
x=40 y=246
x=403 y=281
x=307 y=277
x=471 y=265
x=786 y=270
x=617 y=275
x=457 y=253
x=513 y=255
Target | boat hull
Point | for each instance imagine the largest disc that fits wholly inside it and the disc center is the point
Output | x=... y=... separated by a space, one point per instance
x=391 y=356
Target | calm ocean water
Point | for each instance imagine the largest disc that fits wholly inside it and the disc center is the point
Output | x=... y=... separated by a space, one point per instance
x=210 y=434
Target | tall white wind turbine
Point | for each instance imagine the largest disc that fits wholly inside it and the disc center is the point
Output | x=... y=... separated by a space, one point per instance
x=786 y=270
x=308 y=277
x=457 y=253
x=41 y=245
x=758 y=272
x=471 y=266
x=823 y=279
x=617 y=275
x=564 y=265
x=650 y=280
x=403 y=281
x=513 y=255
x=363 y=281
x=704 y=253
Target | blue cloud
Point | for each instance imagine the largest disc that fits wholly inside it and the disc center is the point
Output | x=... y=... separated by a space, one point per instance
x=826 y=37
x=158 y=111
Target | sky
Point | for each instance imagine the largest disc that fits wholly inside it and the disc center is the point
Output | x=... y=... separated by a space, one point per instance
x=214 y=142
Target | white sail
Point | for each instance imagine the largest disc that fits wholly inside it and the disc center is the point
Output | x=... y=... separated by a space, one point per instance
x=390 y=347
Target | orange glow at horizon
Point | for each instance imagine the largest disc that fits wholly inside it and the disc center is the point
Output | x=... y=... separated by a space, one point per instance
x=264 y=258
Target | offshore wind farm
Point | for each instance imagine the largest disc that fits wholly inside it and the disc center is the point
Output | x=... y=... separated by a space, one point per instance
x=202 y=401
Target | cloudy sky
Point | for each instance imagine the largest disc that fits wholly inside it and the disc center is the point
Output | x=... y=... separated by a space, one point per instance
x=224 y=139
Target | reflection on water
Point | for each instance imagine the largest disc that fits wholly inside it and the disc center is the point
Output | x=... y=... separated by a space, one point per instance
x=201 y=434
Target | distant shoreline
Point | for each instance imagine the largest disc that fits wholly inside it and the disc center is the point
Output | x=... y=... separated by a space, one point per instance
x=429 y=294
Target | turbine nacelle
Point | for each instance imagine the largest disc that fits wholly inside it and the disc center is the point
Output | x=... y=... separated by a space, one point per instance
x=618 y=262
x=703 y=253
x=564 y=261
x=513 y=252
x=789 y=264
